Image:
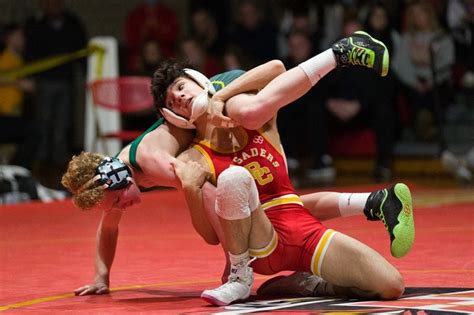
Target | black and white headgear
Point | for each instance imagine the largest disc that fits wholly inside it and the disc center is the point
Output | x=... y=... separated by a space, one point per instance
x=111 y=174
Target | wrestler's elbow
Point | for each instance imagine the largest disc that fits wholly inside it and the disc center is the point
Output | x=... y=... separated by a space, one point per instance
x=253 y=116
x=277 y=67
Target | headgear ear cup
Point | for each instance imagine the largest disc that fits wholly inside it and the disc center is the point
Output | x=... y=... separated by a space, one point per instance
x=199 y=105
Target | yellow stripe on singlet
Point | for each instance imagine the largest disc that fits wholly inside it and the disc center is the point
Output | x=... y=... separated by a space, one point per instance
x=209 y=162
x=290 y=198
x=267 y=250
x=320 y=251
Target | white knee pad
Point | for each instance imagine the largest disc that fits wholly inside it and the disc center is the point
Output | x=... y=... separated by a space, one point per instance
x=236 y=194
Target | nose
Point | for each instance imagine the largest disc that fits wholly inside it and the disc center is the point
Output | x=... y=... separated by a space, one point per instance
x=179 y=97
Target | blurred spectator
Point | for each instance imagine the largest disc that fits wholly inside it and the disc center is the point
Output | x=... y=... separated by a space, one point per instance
x=333 y=21
x=234 y=58
x=353 y=99
x=53 y=31
x=13 y=113
x=150 y=20
x=150 y=58
x=192 y=51
x=298 y=121
x=413 y=64
x=205 y=30
x=378 y=24
x=11 y=100
x=300 y=17
x=460 y=20
x=255 y=34
x=219 y=10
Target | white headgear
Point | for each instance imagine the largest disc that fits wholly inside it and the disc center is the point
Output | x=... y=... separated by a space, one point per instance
x=199 y=105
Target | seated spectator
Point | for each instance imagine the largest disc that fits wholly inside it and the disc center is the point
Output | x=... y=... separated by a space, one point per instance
x=352 y=99
x=151 y=19
x=300 y=48
x=149 y=58
x=205 y=30
x=192 y=51
x=255 y=34
x=301 y=16
x=234 y=59
x=422 y=40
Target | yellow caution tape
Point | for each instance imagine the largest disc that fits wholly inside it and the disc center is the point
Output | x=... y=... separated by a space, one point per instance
x=51 y=62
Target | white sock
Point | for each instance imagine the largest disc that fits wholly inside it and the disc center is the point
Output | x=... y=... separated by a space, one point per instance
x=236 y=259
x=318 y=66
x=352 y=203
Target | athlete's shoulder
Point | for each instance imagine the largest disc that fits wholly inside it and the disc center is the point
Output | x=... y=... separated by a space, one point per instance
x=223 y=79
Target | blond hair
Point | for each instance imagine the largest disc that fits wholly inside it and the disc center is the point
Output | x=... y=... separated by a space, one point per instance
x=80 y=170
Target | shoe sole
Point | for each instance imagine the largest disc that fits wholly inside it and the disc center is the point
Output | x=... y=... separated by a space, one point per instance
x=404 y=231
x=385 y=59
x=212 y=300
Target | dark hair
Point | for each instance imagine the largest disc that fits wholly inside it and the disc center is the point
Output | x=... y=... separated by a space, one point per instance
x=163 y=77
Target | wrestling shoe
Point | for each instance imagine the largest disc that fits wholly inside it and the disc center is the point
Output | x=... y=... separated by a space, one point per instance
x=297 y=284
x=237 y=287
x=361 y=49
x=393 y=206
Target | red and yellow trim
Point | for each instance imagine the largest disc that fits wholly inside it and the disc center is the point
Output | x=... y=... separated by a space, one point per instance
x=278 y=148
x=267 y=250
x=285 y=199
x=209 y=162
x=320 y=251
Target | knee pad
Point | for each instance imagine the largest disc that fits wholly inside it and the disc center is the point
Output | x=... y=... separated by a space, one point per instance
x=236 y=194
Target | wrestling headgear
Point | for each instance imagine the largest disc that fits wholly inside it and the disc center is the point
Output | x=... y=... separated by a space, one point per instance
x=111 y=174
x=199 y=105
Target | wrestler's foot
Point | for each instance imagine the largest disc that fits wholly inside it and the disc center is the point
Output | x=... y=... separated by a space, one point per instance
x=237 y=287
x=361 y=49
x=298 y=283
x=394 y=207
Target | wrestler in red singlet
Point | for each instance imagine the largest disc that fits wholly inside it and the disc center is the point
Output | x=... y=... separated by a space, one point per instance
x=301 y=240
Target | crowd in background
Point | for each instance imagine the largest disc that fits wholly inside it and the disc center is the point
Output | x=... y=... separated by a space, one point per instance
x=430 y=44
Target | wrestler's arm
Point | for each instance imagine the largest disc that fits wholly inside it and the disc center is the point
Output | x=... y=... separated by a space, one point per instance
x=192 y=170
x=107 y=234
x=252 y=80
x=155 y=153
x=252 y=111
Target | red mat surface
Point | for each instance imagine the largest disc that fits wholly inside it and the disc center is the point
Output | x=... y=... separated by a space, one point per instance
x=161 y=265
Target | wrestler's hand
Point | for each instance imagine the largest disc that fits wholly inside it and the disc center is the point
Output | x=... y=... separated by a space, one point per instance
x=190 y=173
x=215 y=115
x=91 y=289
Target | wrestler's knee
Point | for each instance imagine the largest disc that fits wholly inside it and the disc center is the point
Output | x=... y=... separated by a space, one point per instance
x=392 y=286
x=236 y=194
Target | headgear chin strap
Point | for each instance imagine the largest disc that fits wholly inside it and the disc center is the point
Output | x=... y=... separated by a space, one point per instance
x=199 y=105
x=111 y=174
